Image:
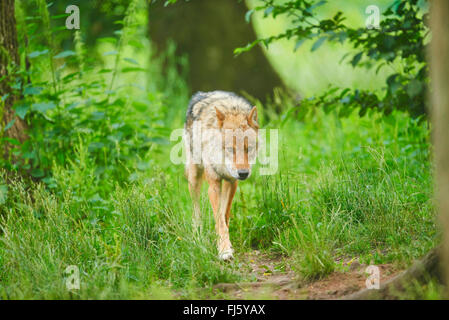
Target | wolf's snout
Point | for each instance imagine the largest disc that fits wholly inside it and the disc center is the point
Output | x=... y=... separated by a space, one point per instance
x=243 y=174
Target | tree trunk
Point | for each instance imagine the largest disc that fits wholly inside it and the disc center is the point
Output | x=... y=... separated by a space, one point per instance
x=439 y=72
x=9 y=61
x=208 y=31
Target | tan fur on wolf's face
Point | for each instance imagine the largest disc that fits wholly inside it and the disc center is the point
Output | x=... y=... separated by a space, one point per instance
x=239 y=138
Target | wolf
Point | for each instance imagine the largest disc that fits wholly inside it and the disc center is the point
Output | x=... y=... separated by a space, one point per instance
x=220 y=136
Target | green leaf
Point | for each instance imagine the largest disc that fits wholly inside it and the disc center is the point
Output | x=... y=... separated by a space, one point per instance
x=159 y=140
x=9 y=125
x=299 y=43
x=356 y=59
x=108 y=40
x=73 y=106
x=12 y=141
x=140 y=106
x=64 y=54
x=43 y=106
x=110 y=53
x=22 y=110
x=380 y=67
x=35 y=54
x=132 y=69
x=98 y=115
x=268 y=11
x=248 y=15
x=318 y=43
x=246 y=48
x=131 y=60
x=37 y=173
x=17 y=85
x=60 y=16
x=316 y=5
x=136 y=44
x=105 y=71
x=32 y=91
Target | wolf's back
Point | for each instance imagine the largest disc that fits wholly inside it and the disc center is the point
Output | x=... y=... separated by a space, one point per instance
x=201 y=105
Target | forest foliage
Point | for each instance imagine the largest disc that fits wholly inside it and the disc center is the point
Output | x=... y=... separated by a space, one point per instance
x=399 y=42
x=80 y=99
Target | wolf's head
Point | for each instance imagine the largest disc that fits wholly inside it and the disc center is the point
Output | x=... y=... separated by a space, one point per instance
x=239 y=141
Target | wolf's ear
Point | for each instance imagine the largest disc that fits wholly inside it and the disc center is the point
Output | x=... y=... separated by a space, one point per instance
x=220 y=116
x=252 y=118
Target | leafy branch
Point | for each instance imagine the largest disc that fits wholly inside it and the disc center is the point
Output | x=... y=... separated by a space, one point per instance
x=399 y=40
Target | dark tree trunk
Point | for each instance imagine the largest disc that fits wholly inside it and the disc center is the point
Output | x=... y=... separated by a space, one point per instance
x=9 y=60
x=439 y=72
x=208 y=31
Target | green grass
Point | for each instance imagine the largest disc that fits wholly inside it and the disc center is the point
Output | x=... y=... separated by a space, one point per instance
x=346 y=187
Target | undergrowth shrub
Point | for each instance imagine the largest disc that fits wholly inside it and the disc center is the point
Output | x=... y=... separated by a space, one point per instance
x=111 y=105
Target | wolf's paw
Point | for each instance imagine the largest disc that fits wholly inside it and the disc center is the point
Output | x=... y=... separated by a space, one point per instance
x=226 y=255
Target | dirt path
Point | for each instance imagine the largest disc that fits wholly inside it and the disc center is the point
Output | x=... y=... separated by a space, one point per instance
x=273 y=279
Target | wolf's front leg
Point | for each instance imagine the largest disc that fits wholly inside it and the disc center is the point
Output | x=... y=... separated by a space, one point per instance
x=215 y=197
x=195 y=178
x=227 y=195
x=230 y=197
x=221 y=199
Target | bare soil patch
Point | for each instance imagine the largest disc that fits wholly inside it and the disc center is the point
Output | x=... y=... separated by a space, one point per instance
x=274 y=279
